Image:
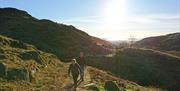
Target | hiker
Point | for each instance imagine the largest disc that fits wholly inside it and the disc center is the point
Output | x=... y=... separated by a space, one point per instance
x=74 y=70
x=81 y=63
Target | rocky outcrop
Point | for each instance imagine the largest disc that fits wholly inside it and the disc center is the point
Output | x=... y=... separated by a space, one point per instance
x=18 y=74
x=32 y=55
x=2 y=70
x=111 y=86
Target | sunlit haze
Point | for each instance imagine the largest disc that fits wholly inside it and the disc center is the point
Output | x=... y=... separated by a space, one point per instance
x=108 y=19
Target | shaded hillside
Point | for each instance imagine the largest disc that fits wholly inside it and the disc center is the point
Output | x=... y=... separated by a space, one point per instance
x=170 y=42
x=101 y=78
x=59 y=39
x=144 y=66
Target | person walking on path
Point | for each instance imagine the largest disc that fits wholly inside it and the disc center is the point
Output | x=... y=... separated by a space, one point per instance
x=74 y=70
x=82 y=63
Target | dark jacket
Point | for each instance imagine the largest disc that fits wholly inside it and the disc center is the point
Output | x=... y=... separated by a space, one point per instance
x=81 y=61
x=74 y=70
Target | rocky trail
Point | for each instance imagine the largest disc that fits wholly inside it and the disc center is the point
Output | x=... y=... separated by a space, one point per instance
x=82 y=86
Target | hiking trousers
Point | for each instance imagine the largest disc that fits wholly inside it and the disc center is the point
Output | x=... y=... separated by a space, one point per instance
x=75 y=77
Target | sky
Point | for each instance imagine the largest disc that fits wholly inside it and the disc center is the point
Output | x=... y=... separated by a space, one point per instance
x=107 y=19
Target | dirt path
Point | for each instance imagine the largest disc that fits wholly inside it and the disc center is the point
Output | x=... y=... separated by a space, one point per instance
x=68 y=84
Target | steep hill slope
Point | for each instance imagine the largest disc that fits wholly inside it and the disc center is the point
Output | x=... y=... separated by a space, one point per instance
x=170 y=42
x=62 y=40
x=24 y=68
x=144 y=66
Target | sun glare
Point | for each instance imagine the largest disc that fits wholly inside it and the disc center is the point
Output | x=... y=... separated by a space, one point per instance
x=114 y=16
x=114 y=11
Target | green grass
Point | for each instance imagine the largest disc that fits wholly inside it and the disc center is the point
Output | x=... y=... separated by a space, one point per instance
x=45 y=71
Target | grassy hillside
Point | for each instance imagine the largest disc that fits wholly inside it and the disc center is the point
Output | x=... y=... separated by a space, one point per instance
x=24 y=68
x=169 y=42
x=101 y=78
x=144 y=66
x=65 y=41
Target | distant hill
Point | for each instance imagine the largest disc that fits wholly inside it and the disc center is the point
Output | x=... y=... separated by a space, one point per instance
x=65 y=41
x=169 y=42
x=144 y=66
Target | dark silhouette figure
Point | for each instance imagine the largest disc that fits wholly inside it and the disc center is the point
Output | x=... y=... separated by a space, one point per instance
x=82 y=63
x=74 y=70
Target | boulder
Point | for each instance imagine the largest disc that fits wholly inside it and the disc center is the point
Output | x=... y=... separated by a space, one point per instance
x=93 y=87
x=2 y=56
x=32 y=55
x=18 y=44
x=2 y=70
x=1 y=51
x=18 y=74
x=111 y=86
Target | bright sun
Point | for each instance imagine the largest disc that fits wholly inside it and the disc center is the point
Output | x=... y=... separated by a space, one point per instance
x=115 y=11
x=114 y=17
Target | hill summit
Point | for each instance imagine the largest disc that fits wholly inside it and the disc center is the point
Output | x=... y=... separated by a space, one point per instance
x=65 y=41
x=169 y=42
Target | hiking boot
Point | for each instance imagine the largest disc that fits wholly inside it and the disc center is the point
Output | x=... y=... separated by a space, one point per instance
x=82 y=79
